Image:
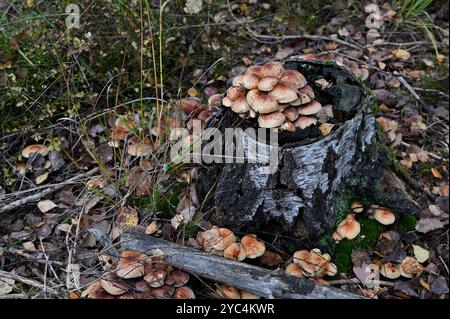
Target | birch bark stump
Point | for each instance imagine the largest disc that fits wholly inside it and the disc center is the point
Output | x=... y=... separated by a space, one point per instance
x=314 y=173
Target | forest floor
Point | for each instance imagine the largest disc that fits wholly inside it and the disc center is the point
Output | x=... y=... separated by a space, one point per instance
x=65 y=87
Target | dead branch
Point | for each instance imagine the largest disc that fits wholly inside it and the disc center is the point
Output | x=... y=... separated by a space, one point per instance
x=29 y=282
x=263 y=282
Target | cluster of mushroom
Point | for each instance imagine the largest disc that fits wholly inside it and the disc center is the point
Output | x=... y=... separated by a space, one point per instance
x=229 y=292
x=138 y=276
x=223 y=242
x=408 y=268
x=311 y=264
x=350 y=228
x=279 y=98
x=36 y=159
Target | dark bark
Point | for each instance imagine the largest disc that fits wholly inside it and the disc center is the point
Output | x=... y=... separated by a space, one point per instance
x=314 y=172
x=262 y=282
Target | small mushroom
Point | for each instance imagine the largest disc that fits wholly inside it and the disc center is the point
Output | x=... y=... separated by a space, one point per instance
x=155 y=278
x=228 y=292
x=273 y=68
x=349 y=228
x=235 y=92
x=294 y=269
x=261 y=102
x=267 y=83
x=253 y=247
x=384 y=216
x=178 y=277
x=250 y=81
x=183 y=293
x=226 y=101
x=139 y=149
x=283 y=93
x=235 y=252
x=390 y=270
x=411 y=266
x=214 y=101
x=240 y=105
x=294 y=78
x=271 y=120
x=257 y=70
x=305 y=121
x=113 y=285
x=188 y=105
x=291 y=113
x=357 y=207
x=35 y=148
x=225 y=239
x=310 y=108
x=131 y=264
x=306 y=94
x=287 y=126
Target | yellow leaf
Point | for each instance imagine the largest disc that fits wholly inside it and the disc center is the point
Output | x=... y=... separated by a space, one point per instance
x=151 y=229
x=193 y=92
x=424 y=284
x=402 y=54
x=421 y=254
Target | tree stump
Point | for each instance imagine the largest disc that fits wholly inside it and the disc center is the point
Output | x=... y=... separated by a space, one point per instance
x=315 y=173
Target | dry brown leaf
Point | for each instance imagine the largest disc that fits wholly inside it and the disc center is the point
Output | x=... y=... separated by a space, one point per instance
x=152 y=228
x=127 y=217
x=41 y=178
x=402 y=54
x=46 y=205
x=436 y=173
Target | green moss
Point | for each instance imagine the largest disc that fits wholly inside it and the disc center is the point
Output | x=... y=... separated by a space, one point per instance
x=408 y=223
x=343 y=255
x=190 y=229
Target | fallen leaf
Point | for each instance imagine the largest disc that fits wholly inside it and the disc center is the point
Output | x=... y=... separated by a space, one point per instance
x=193 y=6
x=127 y=217
x=436 y=173
x=435 y=210
x=424 y=284
x=41 y=178
x=325 y=128
x=46 y=205
x=176 y=221
x=421 y=254
x=6 y=286
x=152 y=228
x=29 y=246
x=402 y=54
x=284 y=53
x=426 y=225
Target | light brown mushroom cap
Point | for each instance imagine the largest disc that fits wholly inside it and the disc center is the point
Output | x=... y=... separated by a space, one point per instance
x=35 y=148
x=204 y=116
x=117 y=134
x=250 y=81
x=96 y=291
x=411 y=266
x=228 y=292
x=238 y=80
x=225 y=239
x=271 y=120
x=267 y=83
x=131 y=264
x=235 y=92
x=113 y=285
x=155 y=278
x=305 y=95
x=183 y=293
x=142 y=286
x=305 y=121
x=295 y=270
x=336 y=236
x=273 y=68
x=287 y=126
x=261 y=102
x=293 y=78
x=384 y=216
x=291 y=113
x=310 y=108
x=226 y=101
x=214 y=101
x=357 y=207
x=284 y=93
x=330 y=269
x=257 y=70
x=253 y=247
x=301 y=256
x=240 y=105
x=235 y=252
x=248 y=295
x=349 y=228
x=390 y=270
x=178 y=277
x=190 y=104
x=139 y=149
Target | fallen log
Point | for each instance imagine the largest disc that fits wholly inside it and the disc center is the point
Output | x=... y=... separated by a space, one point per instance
x=262 y=282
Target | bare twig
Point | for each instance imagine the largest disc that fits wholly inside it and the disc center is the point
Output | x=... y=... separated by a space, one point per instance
x=48 y=191
x=411 y=90
x=432 y=155
x=29 y=282
x=357 y=281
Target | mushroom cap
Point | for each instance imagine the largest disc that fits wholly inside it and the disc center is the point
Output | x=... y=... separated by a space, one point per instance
x=294 y=78
x=253 y=247
x=117 y=134
x=330 y=269
x=284 y=93
x=411 y=266
x=96 y=291
x=131 y=264
x=142 y=286
x=214 y=101
x=390 y=270
x=291 y=113
x=139 y=149
x=271 y=120
x=240 y=105
x=257 y=70
x=336 y=236
x=294 y=269
x=310 y=108
x=305 y=121
x=384 y=216
x=235 y=252
x=113 y=285
x=226 y=101
x=273 y=68
x=34 y=148
x=208 y=238
x=183 y=293
x=357 y=207
x=235 y=92
x=225 y=239
x=228 y=292
x=178 y=277
x=267 y=83
x=190 y=104
x=301 y=256
x=306 y=94
x=238 y=80
x=349 y=228
x=249 y=295
x=204 y=116
x=287 y=126
x=261 y=102
x=250 y=81
x=155 y=278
